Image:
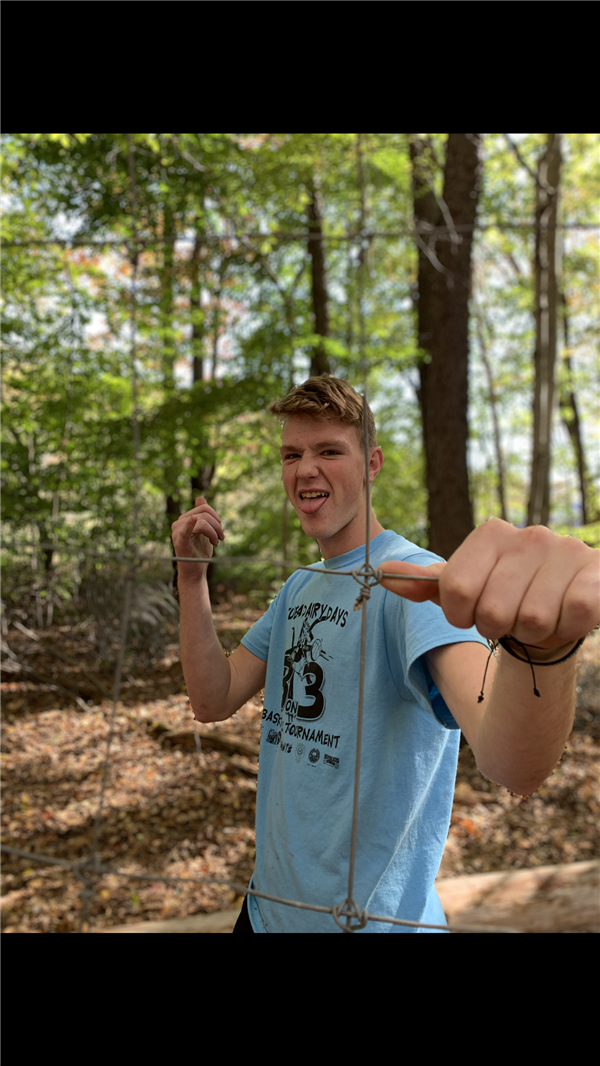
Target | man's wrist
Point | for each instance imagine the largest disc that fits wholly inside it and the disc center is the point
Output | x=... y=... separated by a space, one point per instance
x=530 y=653
x=191 y=576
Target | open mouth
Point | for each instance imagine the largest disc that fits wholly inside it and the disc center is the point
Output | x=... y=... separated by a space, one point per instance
x=312 y=501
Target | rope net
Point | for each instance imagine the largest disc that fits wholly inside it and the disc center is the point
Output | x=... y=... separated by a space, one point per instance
x=91 y=869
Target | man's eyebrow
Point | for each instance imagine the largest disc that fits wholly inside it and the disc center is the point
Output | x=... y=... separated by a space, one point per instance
x=319 y=444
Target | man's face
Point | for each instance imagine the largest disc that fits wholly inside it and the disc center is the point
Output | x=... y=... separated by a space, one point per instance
x=323 y=470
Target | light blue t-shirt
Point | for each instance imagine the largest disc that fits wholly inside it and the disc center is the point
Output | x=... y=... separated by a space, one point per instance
x=310 y=637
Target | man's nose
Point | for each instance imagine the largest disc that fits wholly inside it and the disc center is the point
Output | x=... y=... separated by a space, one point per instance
x=307 y=466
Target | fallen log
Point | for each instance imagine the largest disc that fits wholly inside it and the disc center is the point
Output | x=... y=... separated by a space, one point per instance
x=218 y=922
x=186 y=738
x=545 y=899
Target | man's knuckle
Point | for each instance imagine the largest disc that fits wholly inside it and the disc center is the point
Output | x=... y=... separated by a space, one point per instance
x=458 y=588
x=492 y=527
x=568 y=630
x=489 y=618
x=533 y=619
x=576 y=546
x=581 y=611
x=494 y=523
x=538 y=536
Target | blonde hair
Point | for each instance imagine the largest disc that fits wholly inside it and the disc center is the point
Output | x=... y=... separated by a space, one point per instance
x=327 y=397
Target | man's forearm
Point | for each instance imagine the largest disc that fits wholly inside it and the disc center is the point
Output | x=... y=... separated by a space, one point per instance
x=205 y=665
x=217 y=684
x=522 y=736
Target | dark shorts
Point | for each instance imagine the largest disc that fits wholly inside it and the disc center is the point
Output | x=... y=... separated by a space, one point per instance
x=243 y=923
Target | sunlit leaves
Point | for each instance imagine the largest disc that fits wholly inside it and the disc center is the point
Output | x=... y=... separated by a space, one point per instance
x=242 y=306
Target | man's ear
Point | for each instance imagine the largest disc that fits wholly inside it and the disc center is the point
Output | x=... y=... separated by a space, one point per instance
x=375 y=463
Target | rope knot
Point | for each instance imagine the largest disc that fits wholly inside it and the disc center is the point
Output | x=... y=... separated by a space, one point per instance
x=367 y=578
x=350 y=910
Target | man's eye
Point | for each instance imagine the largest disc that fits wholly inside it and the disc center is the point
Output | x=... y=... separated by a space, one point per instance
x=331 y=451
x=292 y=455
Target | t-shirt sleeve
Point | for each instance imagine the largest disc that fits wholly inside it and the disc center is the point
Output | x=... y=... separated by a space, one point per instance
x=258 y=638
x=418 y=628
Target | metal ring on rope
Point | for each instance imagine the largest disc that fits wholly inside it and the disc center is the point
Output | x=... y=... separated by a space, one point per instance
x=350 y=909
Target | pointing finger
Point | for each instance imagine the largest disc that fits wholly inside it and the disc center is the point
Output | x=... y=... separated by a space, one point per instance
x=418 y=590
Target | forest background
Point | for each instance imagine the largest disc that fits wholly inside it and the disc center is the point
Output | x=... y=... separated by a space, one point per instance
x=455 y=275
x=160 y=289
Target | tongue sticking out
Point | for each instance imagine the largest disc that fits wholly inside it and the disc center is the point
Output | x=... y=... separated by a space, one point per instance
x=312 y=504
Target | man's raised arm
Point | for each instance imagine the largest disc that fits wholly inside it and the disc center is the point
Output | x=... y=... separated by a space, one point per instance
x=217 y=685
x=541 y=594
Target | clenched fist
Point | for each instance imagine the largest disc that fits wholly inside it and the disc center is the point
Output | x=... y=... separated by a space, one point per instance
x=196 y=533
x=541 y=588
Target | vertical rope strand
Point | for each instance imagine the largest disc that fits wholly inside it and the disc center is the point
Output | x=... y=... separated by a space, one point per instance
x=362 y=257
x=352 y=909
x=361 y=682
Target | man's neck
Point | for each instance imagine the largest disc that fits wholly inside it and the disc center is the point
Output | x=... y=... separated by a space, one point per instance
x=341 y=545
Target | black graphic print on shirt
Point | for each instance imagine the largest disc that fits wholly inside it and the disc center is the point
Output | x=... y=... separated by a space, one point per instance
x=303 y=691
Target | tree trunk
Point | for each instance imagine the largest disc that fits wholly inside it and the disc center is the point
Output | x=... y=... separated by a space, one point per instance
x=168 y=358
x=201 y=480
x=48 y=553
x=546 y=305
x=494 y=410
x=196 y=312
x=569 y=412
x=319 y=363
x=444 y=282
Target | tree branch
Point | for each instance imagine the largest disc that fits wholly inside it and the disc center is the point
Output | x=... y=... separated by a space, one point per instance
x=522 y=161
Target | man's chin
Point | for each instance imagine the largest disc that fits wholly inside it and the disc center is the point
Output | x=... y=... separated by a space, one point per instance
x=312 y=527
x=309 y=523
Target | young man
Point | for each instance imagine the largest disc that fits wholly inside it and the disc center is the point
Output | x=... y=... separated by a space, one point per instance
x=425 y=662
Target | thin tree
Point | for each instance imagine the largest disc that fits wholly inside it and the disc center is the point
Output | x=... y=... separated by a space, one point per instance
x=569 y=411
x=444 y=234
x=319 y=363
x=493 y=402
x=546 y=273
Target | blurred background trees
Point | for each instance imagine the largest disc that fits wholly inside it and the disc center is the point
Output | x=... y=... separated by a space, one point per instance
x=455 y=273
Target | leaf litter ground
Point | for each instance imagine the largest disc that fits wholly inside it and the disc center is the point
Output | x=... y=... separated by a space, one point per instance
x=172 y=811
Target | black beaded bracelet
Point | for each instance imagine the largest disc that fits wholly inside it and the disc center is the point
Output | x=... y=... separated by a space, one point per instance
x=554 y=662
x=503 y=644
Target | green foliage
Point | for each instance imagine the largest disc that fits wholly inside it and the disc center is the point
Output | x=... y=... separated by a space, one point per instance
x=223 y=323
x=589 y=534
x=504 y=318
